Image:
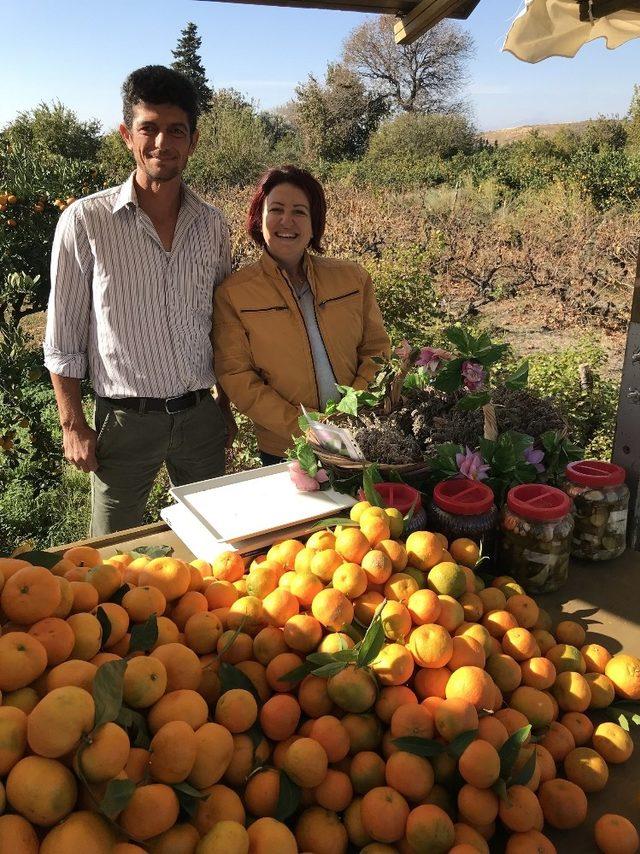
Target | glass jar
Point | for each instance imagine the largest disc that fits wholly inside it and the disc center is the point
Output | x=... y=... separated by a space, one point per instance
x=537 y=526
x=404 y=498
x=601 y=504
x=464 y=508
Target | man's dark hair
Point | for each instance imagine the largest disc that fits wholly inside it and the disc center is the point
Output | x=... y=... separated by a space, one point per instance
x=156 y=84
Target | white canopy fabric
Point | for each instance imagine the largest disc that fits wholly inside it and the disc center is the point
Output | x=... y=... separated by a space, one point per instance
x=547 y=28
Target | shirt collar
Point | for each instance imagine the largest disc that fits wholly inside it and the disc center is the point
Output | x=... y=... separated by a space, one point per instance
x=127 y=195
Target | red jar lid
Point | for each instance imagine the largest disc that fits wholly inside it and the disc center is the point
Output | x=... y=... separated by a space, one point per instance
x=595 y=473
x=399 y=495
x=463 y=497
x=538 y=501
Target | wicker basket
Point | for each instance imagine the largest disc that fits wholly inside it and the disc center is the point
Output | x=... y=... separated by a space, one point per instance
x=346 y=466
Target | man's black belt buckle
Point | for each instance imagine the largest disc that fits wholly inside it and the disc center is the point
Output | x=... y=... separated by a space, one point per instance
x=174 y=405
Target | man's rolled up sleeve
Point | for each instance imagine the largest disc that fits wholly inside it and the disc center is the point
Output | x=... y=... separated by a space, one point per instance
x=69 y=307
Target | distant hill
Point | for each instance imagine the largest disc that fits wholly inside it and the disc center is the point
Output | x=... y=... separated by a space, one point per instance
x=506 y=135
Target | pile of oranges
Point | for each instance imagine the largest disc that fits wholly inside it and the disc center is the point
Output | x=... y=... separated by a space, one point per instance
x=357 y=692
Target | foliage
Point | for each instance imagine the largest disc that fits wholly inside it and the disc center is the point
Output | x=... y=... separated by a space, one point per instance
x=633 y=119
x=234 y=147
x=54 y=129
x=187 y=59
x=336 y=119
x=409 y=137
x=426 y=76
x=114 y=158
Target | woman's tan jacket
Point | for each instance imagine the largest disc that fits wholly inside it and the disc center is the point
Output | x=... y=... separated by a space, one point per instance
x=262 y=352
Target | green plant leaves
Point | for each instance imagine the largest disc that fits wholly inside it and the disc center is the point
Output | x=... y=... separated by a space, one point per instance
x=119 y=595
x=624 y=713
x=105 y=624
x=345 y=521
x=107 y=691
x=373 y=640
x=473 y=400
x=519 y=378
x=188 y=797
x=449 y=377
x=522 y=777
x=150 y=551
x=288 y=798
x=144 y=635
x=40 y=558
x=352 y=400
x=509 y=751
x=371 y=494
x=459 y=744
x=135 y=725
x=116 y=797
x=232 y=677
x=425 y=747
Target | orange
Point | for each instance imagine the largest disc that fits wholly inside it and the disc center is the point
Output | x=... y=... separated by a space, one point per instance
x=324 y=563
x=375 y=525
x=353 y=689
x=411 y=776
x=22 y=659
x=251 y=614
x=431 y=682
x=566 y=657
x=612 y=742
x=83 y=556
x=182 y=666
x=492 y=730
x=244 y=759
x=430 y=830
x=400 y=586
x=42 y=790
x=137 y=764
x=304 y=586
x=424 y=607
x=365 y=606
x=236 y=710
x=504 y=671
x=313 y=697
x=306 y=762
x=191 y=603
x=234 y=646
x=332 y=609
x=520 y=811
x=74 y=672
x=430 y=645
x=497 y=623
x=384 y=814
x=335 y=792
x=480 y=764
x=390 y=698
x=106 y=755
x=281 y=666
x=152 y=809
x=268 y=643
x=424 y=550
x=396 y=553
x=563 y=803
x=228 y=566
x=30 y=594
x=302 y=633
x=226 y=837
x=182 y=705
x=464 y=551
x=66 y=599
x=595 y=657
x=353 y=823
x=59 y=721
x=558 y=740
x=602 y=689
x=352 y=544
x=13 y=737
x=172 y=577
x=84 y=831
x=624 y=672
x=321 y=831
x=451 y=614
x=173 y=752
x=18 y=835
x=145 y=681
x=520 y=644
x=572 y=691
x=614 y=834
x=214 y=751
x=202 y=632
x=285 y=553
x=473 y=684
x=454 y=716
x=538 y=672
x=394 y=664
x=367 y=771
x=266 y=835
x=106 y=578
x=535 y=705
x=467 y=651
x=329 y=732
x=477 y=806
x=580 y=727
x=570 y=632
x=320 y=540
x=220 y=594
x=221 y=804
x=85 y=596
x=524 y=609
x=587 y=769
x=262 y=581
x=350 y=579
x=279 y=717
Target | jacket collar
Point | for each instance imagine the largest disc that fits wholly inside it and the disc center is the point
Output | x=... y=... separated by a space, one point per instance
x=272 y=269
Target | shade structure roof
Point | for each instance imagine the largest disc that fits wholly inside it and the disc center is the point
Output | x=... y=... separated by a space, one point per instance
x=415 y=17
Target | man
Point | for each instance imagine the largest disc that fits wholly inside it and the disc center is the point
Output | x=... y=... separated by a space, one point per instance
x=133 y=272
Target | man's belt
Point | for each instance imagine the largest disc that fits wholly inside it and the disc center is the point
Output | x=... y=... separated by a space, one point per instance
x=171 y=405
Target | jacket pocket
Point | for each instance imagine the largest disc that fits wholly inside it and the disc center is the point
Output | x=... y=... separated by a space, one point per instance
x=267 y=308
x=339 y=297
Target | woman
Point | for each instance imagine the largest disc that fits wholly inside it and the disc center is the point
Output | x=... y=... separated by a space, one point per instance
x=291 y=326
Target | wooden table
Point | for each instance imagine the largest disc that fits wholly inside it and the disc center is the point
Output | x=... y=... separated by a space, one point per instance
x=604 y=597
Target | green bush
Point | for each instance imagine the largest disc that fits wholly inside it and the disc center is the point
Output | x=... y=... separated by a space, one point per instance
x=115 y=159
x=590 y=410
x=608 y=177
x=54 y=129
x=412 y=135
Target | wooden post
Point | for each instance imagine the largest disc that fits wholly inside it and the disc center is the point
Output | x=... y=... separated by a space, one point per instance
x=626 y=448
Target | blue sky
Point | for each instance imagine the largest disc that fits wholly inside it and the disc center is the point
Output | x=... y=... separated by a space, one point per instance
x=79 y=51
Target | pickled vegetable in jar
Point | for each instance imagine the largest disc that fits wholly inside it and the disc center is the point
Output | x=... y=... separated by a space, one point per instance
x=464 y=508
x=537 y=529
x=601 y=502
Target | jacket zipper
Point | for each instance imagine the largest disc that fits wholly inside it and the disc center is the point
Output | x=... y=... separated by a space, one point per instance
x=315 y=379
x=333 y=299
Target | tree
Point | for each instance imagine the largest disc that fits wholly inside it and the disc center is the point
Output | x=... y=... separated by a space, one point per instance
x=189 y=62
x=412 y=137
x=336 y=119
x=633 y=119
x=54 y=129
x=424 y=77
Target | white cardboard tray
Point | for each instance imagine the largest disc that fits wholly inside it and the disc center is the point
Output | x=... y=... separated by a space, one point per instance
x=244 y=505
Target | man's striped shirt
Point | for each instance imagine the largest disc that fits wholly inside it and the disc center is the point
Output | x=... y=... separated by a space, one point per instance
x=135 y=316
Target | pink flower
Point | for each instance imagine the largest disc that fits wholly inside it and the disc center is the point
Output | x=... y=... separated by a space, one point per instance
x=303 y=481
x=534 y=458
x=403 y=350
x=430 y=358
x=471 y=465
x=474 y=375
